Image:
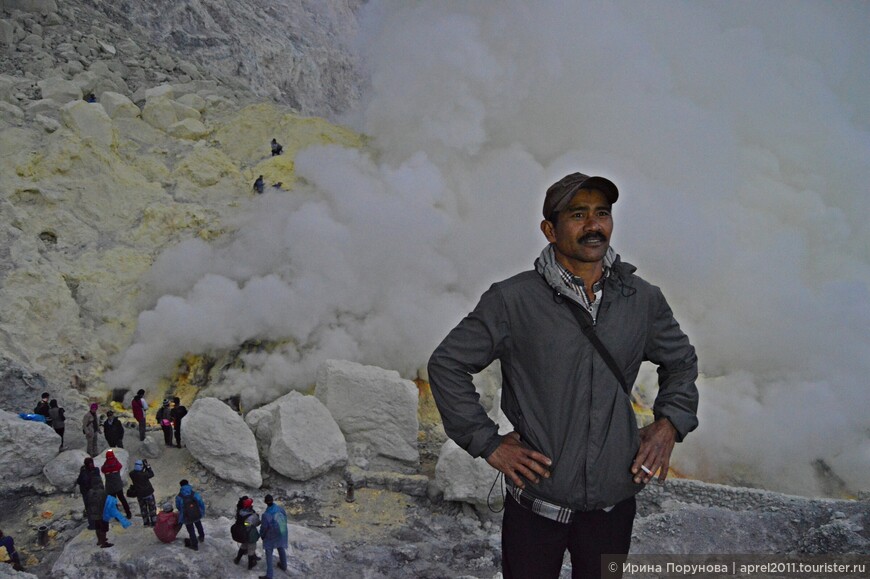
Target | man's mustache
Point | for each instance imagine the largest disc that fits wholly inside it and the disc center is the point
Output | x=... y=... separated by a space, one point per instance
x=595 y=236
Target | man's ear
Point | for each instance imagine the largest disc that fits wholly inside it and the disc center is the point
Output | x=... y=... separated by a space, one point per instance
x=549 y=230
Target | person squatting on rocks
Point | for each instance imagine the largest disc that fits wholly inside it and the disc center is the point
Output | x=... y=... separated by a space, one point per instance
x=259 y=184
x=91 y=429
x=273 y=530
x=113 y=430
x=89 y=476
x=277 y=149
x=191 y=510
x=575 y=460
x=177 y=413
x=140 y=407
x=164 y=419
x=244 y=531
x=144 y=492
x=9 y=544
x=58 y=419
x=167 y=525
x=43 y=407
x=114 y=484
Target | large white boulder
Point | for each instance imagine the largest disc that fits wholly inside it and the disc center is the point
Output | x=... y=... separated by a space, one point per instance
x=118 y=105
x=27 y=447
x=220 y=440
x=462 y=477
x=190 y=129
x=59 y=90
x=63 y=470
x=89 y=121
x=306 y=441
x=376 y=409
x=159 y=113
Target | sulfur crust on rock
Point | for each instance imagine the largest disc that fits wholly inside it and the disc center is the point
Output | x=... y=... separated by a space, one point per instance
x=86 y=213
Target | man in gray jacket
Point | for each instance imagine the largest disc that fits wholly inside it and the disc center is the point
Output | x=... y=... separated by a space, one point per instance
x=576 y=458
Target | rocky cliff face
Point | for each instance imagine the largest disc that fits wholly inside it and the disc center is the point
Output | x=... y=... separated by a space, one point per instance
x=91 y=192
x=291 y=51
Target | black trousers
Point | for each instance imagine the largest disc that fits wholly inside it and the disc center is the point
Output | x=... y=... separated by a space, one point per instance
x=532 y=546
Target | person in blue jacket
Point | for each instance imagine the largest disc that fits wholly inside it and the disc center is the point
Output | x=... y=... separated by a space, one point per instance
x=191 y=510
x=9 y=544
x=273 y=531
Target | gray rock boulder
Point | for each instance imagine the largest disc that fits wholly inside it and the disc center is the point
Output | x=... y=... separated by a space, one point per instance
x=89 y=121
x=27 y=447
x=457 y=474
x=59 y=90
x=306 y=441
x=219 y=439
x=117 y=105
x=376 y=409
x=63 y=469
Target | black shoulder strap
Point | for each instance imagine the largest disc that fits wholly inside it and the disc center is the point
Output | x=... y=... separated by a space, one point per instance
x=589 y=332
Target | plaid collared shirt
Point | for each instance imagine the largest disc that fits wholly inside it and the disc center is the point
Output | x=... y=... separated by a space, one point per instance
x=541 y=507
x=576 y=284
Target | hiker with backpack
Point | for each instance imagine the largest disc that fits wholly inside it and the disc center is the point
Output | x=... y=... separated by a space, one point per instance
x=273 y=530
x=244 y=531
x=191 y=510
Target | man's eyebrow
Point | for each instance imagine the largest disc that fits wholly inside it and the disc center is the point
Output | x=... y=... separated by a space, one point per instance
x=606 y=206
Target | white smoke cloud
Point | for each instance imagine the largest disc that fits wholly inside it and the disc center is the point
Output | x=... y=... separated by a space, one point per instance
x=737 y=133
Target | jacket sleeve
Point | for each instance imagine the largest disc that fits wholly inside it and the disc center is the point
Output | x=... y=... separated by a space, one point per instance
x=201 y=505
x=469 y=348
x=179 y=504
x=669 y=348
x=110 y=511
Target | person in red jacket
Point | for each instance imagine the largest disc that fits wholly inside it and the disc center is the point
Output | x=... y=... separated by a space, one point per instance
x=114 y=484
x=167 y=525
x=139 y=408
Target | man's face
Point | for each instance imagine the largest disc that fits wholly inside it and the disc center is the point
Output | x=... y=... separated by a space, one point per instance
x=582 y=230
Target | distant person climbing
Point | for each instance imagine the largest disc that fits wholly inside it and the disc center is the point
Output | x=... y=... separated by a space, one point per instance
x=140 y=407
x=167 y=525
x=113 y=430
x=42 y=407
x=259 y=184
x=273 y=530
x=114 y=484
x=9 y=544
x=164 y=419
x=191 y=510
x=177 y=414
x=144 y=492
x=91 y=429
x=277 y=149
x=58 y=420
